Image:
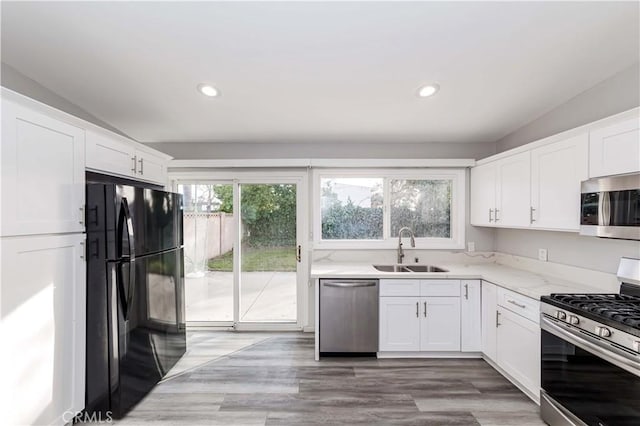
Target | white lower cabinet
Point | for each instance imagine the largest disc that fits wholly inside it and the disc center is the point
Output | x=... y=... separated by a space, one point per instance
x=470 y=316
x=399 y=324
x=420 y=315
x=440 y=324
x=518 y=349
x=489 y=319
x=42 y=328
x=511 y=335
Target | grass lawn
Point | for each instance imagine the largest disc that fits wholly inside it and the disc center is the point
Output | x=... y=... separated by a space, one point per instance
x=258 y=259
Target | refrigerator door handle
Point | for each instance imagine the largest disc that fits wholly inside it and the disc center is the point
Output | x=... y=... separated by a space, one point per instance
x=124 y=299
x=125 y=222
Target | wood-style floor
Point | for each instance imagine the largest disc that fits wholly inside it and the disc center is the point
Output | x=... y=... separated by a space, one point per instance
x=276 y=382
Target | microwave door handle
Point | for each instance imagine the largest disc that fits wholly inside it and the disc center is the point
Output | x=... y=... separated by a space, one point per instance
x=604 y=209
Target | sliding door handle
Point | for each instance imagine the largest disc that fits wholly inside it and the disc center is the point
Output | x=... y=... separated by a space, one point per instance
x=299 y=254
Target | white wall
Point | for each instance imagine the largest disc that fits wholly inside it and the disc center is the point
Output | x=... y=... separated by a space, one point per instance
x=619 y=93
x=599 y=254
x=14 y=80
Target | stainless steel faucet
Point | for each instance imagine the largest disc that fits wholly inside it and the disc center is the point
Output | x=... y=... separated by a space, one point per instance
x=400 y=250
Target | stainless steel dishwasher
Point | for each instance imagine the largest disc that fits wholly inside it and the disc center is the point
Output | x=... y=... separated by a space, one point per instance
x=348 y=315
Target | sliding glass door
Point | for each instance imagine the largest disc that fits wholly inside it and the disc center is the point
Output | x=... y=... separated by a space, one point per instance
x=243 y=252
x=209 y=239
x=268 y=252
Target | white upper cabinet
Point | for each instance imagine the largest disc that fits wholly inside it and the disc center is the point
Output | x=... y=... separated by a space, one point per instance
x=115 y=155
x=43 y=168
x=556 y=172
x=109 y=153
x=615 y=149
x=513 y=190
x=500 y=192
x=483 y=194
x=151 y=167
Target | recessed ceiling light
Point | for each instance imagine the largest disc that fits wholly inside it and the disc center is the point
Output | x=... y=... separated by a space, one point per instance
x=207 y=90
x=428 y=90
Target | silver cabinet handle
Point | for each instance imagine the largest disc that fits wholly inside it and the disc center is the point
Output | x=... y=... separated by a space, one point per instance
x=81 y=220
x=531 y=219
x=466 y=291
x=83 y=250
x=425 y=309
x=135 y=161
x=498 y=319
x=519 y=305
x=417 y=309
x=490 y=215
x=141 y=161
x=496 y=217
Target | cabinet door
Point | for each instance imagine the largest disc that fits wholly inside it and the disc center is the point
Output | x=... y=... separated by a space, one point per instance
x=440 y=324
x=615 y=149
x=483 y=194
x=513 y=194
x=471 y=316
x=519 y=349
x=42 y=173
x=399 y=324
x=489 y=319
x=556 y=172
x=151 y=167
x=110 y=155
x=43 y=323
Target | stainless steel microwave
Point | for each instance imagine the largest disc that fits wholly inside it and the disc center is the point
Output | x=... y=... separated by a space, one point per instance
x=610 y=207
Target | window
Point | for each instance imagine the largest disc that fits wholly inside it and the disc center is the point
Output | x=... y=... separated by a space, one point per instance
x=367 y=209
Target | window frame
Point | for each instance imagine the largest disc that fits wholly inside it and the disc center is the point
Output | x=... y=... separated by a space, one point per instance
x=458 y=207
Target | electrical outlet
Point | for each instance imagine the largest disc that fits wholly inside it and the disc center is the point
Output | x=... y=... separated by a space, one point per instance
x=542 y=255
x=471 y=246
x=416 y=260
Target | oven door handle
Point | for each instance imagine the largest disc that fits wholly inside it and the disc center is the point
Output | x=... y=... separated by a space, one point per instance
x=610 y=354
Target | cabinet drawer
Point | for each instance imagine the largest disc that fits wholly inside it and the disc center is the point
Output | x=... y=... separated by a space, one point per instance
x=440 y=288
x=399 y=288
x=521 y=305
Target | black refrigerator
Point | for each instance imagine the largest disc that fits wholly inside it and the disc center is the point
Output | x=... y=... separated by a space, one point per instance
x=135 y=292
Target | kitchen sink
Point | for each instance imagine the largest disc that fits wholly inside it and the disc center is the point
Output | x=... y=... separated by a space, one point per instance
x=409 y=268
x=391 y=268
x=425 y=268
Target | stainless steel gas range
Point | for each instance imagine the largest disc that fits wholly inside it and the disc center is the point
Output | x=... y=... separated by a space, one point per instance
x=590 y=355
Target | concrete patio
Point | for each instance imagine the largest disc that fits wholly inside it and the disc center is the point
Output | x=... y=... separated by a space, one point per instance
x=264 y=296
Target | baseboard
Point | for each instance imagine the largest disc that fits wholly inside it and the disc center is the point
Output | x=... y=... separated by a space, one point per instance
x=385 y=355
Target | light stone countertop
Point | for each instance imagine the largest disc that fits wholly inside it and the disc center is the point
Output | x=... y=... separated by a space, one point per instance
x=527 y=282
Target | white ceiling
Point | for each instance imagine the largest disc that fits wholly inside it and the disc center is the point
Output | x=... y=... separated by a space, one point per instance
x=327 y=71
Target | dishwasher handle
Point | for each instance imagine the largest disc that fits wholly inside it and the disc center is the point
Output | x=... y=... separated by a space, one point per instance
x=350 y=283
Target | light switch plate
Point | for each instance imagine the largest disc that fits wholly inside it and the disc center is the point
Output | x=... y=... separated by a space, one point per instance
x=542 y=255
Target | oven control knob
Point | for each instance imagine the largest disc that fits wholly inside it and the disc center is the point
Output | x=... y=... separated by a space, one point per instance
x=636 y=346
x=574 y=320
x=603 y=331
x=561 y=315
